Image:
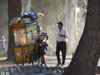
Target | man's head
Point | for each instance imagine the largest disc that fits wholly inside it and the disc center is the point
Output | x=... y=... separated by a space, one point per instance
x=60 y=25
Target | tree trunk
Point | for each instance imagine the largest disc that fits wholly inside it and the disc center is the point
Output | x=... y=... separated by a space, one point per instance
x=70 y=18
x=26 y=4
x=4 y=22
x=14 y=10
x=44 y=24
x=84 y=62
x=44 y=19
x=81 y=16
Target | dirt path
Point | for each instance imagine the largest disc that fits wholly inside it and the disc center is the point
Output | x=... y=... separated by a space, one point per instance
x=51 y=61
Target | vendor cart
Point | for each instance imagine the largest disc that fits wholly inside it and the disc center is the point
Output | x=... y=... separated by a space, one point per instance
x=26 y=36
x=26 y=47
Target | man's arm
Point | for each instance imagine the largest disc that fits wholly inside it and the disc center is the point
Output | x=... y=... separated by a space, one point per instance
x=47 y=37
x=66 y=34
x=62 y=35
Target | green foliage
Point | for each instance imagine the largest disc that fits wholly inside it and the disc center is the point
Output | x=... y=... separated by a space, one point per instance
x=53 y=12
x=52 y=9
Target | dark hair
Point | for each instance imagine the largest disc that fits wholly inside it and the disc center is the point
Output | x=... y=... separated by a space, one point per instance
x=60 y=23
x=38 y=26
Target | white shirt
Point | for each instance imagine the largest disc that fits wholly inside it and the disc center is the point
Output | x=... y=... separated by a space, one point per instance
x=62 y=32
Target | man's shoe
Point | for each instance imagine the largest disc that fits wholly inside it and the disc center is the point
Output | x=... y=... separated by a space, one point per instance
x=62 y=64
x=58 y=64
x=45 y=64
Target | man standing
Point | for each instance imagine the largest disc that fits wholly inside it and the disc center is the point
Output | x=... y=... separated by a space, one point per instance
x=61 y=38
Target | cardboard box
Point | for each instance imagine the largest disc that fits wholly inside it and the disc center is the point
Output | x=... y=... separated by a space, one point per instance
x=15 y=20
x=26 y=20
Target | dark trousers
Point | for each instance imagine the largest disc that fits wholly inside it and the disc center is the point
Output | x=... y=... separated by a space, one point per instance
x=61 y=46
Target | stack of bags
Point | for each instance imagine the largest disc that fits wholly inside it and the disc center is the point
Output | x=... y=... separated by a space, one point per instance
x=26 y=18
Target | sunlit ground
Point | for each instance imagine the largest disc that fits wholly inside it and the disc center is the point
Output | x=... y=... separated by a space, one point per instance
x=99 y=62
x=50 y=60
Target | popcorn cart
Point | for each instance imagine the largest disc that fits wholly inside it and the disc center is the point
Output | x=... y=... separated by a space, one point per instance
x=25 y=31
x=26 y=47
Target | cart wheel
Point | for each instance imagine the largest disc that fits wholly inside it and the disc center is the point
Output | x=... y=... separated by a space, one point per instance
x=29 y=62
x=22 y=64
x=32 y=63
x=38 y=61
x=17 y=64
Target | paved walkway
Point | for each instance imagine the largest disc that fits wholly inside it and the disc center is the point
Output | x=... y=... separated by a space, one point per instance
x=11 y=68
x=51 y=61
